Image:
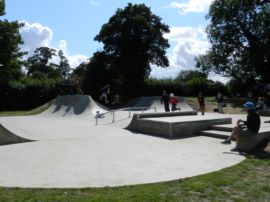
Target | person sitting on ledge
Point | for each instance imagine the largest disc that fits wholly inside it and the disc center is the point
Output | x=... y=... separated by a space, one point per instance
x=249 y=127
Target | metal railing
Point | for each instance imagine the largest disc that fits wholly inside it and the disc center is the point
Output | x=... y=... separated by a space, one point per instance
x=129 y=109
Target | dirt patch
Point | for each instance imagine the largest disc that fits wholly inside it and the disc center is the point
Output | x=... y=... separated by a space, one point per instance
x=210 y=106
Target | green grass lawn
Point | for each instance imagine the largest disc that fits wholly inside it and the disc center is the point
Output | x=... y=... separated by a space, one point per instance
x=247 y=181
x=29 y=112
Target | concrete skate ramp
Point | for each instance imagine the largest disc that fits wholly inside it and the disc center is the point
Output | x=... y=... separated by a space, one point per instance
x=7 y=137
x=74 y=105
x=76 y=153
x=154 y=101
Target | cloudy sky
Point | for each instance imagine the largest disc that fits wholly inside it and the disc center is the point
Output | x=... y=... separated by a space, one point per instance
x=71 y=25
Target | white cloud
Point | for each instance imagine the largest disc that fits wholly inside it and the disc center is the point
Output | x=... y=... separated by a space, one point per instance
x=94 y=3
x=186 y=44
x=36 y=35
x=191 y=6
x=76 y=60
x=62 y=45
x=217 y=77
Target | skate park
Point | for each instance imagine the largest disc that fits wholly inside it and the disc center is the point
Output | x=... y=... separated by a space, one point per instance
x=67 y=146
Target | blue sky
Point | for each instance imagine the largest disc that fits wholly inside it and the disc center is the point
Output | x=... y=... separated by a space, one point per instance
x=71 y=25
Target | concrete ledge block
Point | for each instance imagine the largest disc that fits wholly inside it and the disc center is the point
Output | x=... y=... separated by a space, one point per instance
x=172 y=130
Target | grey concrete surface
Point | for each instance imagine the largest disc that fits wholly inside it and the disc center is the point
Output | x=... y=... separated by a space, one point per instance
x=71 y=151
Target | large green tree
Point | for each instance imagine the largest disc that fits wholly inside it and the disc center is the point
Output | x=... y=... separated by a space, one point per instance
x=64 y=67
x=10 y=53
x=239 y=32
x=95 y=73
x=186 y=75
x=133 y=40
x=39 y=63
x=2 y=7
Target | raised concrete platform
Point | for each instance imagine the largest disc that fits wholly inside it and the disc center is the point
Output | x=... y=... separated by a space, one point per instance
x=175 y=124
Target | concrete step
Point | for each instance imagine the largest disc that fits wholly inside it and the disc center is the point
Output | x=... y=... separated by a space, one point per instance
x=215 y=134
x=225 y=128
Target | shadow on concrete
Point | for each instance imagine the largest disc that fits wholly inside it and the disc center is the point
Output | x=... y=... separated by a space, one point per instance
x=7 y=137
x=161 y=136
x=76 y=103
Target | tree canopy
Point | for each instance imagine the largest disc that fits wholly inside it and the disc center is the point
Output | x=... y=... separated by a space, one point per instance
x=10 y=53
x=39 y=61
x=2 y=7
x=133 y=40
x=39 y=64
x=239 y=32
x=186 y=75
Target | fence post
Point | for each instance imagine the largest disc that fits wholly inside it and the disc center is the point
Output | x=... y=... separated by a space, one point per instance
x=113 y=117
x=129 y=112
x=96 y=121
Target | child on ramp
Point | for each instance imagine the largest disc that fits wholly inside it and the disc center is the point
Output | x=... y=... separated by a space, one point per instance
x=105 y=91
x=174 y=101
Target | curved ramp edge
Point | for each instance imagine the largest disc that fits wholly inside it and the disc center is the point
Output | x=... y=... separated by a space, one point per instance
x=82 y=106
x=7 y=137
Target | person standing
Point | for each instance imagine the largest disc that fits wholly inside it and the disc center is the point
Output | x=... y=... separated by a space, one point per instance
x=201 y=102
x=78 y=85
x=165 y=100
x=260 y=104
x=219 y=99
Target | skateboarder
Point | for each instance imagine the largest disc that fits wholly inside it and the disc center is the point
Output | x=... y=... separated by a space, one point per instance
x=105 y=91
x=174 y=101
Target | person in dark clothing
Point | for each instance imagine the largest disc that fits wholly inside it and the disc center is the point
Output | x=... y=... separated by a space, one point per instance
x=201 y=102
x=249 y=127
x=219 y=99
x=105 y=91
x=165 y=100
x=260 y=104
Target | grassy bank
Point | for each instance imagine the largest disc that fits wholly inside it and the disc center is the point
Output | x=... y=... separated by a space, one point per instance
x=232 y=106
x=29 y=112
x=247 y=181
